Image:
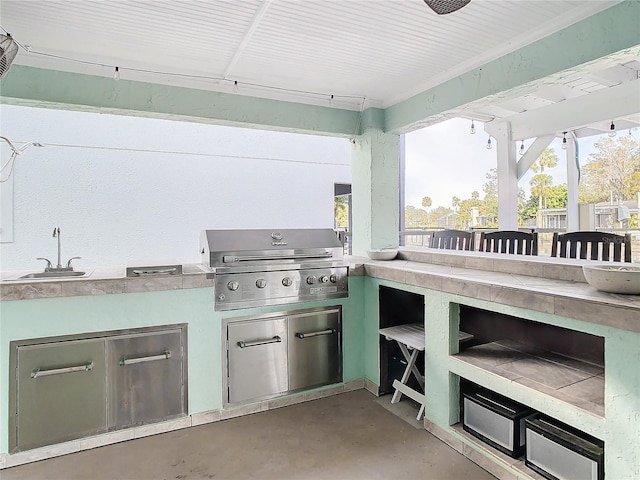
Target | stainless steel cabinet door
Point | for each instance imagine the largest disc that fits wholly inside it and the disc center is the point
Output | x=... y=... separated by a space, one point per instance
x=315 y=351
x=145 y=375
x=61 y=392
x=257 y=359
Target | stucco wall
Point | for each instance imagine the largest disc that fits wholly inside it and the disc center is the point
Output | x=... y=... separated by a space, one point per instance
x=127 y=190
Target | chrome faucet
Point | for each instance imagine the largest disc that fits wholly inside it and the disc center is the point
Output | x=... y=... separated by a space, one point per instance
x=58 y=267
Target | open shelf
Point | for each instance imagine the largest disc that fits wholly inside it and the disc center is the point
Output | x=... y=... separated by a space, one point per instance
x=576 y=382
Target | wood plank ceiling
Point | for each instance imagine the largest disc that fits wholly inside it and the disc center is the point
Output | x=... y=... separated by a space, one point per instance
x=307 y=51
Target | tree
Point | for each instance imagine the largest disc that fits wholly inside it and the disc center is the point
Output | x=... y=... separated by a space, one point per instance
x=490 y=189
x=613 y=171
x=463 y=220
x=436 y=214
x=455 y=202
x=415 y=217
x=540 y=184
x=341 y=211
x=541 y=181
x=557 y=196
x=426 y=202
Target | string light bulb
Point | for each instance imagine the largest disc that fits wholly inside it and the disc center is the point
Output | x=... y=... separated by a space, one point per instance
x=116 y=73
x=522 y=148
x=473 y=128
x=235 y=86
x=612 y=130
x=564 y=140
x=489 y=146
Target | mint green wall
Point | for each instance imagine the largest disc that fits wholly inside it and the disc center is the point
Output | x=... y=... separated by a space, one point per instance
x=73 y=315
x=50 y=88
x=375 y=192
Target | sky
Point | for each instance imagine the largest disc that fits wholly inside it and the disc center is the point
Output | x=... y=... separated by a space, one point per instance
x=445 y=160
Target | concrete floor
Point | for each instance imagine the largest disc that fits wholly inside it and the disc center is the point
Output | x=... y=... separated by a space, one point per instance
x=347 y=436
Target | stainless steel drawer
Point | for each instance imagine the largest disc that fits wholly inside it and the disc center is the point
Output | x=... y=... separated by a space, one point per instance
x=314 y=349
x=145 y=378
x=257 y=359
x=60 y=392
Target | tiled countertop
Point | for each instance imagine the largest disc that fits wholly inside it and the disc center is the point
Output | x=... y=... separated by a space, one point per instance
x=99 y=281
x=535 y=283
x=552 y=286
x=572 y=381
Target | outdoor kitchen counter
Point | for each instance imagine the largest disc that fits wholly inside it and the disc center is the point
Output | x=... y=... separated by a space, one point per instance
x=556 y=286
x=99 y=281
x=537 y=283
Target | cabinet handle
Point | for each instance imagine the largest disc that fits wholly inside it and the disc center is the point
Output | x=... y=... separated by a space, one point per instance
x=152 y=358
x=243 y=344
x=315 y=334
x=87 y=367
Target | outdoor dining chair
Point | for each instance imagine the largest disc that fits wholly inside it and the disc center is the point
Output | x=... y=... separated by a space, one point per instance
x=509 y=241
x=592 y=245
x=452 y=240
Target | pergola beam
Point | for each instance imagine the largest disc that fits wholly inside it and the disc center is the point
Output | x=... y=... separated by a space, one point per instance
x=601 y=106
x=532 y=153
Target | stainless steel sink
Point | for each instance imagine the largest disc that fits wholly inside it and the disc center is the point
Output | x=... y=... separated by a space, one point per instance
x=54 y=274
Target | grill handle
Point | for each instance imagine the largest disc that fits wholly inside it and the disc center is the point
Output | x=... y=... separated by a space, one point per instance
x=243 y=344
x=330 y=331
x=256 y=258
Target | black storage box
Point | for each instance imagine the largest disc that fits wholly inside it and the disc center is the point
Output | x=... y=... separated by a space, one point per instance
x=495 y=420
x=557 y=451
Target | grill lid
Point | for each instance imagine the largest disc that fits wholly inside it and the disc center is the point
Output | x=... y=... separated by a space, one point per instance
x=262 y=249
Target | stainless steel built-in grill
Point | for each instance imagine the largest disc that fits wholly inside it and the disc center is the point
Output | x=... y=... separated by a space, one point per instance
x=267 y=267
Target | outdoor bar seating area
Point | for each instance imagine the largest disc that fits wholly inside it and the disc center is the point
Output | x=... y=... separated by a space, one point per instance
x=585 y=245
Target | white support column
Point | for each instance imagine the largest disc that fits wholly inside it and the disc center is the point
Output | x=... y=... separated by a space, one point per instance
x=507 y=178
x=573 y=220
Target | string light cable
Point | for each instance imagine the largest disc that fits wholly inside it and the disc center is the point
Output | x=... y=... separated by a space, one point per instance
x=194 y=154
x=355 y=134
x=15 y=151
x=235 y=84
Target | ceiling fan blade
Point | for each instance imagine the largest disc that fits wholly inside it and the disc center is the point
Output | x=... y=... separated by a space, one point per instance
x=442 y=7
x=8 y=51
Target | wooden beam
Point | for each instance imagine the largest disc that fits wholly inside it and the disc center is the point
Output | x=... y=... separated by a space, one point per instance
x=532 y=153
x=600 y=106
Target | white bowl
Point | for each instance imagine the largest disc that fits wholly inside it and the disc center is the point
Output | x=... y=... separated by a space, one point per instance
x=382 y=253
x=620 y=278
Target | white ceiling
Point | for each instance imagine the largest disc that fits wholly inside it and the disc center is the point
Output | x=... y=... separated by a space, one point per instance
x=383 y=51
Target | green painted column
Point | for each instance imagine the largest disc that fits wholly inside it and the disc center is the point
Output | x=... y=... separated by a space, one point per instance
x=375 y=170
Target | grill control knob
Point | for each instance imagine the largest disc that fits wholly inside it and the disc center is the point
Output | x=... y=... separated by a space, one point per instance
x=324 y=279
x=311 y=280
x=233 y=285
x=287 y=282
x=261 y=283
x=333 y=278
